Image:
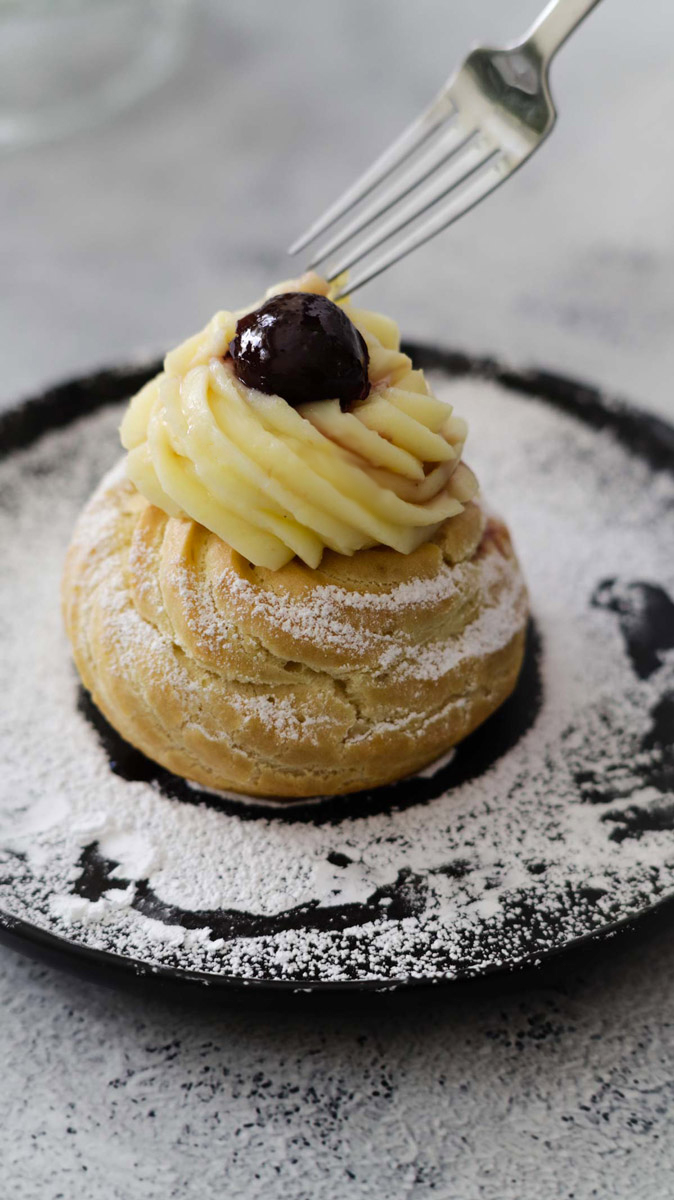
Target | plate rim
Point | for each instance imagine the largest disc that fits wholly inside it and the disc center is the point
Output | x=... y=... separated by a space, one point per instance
x=644 y=434
x=38 y=943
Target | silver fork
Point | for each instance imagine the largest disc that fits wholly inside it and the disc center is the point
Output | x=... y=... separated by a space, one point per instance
x=485 y=122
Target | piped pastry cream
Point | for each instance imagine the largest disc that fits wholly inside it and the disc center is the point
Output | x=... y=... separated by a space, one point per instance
x=275 y=480
x=289 y=588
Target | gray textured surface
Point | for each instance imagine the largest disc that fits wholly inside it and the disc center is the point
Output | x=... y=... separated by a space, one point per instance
x=541 y=1095
x=124 y=240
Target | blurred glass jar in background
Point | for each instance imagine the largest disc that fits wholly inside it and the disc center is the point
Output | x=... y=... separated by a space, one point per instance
x=69 y=64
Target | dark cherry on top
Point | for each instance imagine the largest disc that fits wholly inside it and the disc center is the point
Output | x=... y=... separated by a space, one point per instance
x=302 y=347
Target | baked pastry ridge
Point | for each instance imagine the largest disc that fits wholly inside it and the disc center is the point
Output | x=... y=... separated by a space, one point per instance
x=289 y=683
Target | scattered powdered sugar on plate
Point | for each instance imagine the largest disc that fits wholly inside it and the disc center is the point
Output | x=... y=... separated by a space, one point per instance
x=494 y=855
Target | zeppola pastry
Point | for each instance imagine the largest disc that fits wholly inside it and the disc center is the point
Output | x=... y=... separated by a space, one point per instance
x=289 y=587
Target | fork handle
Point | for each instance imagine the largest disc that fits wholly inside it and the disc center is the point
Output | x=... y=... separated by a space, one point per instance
x=556 y=22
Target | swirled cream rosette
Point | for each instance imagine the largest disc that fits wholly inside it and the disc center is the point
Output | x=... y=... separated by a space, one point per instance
x=275 y=481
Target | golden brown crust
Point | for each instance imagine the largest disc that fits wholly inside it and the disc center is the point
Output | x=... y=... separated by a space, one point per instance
x=294 y=682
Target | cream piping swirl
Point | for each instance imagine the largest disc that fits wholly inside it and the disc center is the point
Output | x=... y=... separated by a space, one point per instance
x=273 y=481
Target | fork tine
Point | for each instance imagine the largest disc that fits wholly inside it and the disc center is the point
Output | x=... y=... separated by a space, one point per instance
x=416 y=208
x=397 y=153
x=422 y=170
x=457 y=206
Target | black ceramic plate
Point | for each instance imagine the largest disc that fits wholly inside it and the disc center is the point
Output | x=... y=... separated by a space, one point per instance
x=550 y=828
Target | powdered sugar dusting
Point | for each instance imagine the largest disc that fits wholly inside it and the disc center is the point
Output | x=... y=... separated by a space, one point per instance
x=423 y=890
